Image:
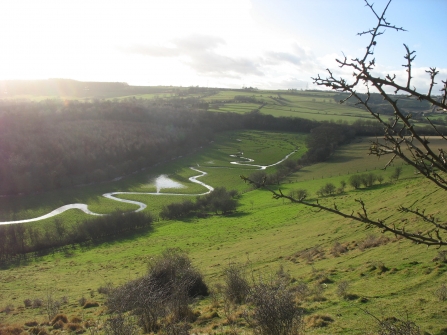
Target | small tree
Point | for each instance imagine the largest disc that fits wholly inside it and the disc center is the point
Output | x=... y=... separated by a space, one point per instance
x=396 y=174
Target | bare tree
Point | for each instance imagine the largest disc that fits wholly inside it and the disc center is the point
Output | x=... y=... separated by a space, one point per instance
x=401 y=138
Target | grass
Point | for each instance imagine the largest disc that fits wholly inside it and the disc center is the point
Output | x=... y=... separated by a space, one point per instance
x=390 y=279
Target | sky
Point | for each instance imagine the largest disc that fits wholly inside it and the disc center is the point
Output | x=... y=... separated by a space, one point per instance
x=268 y=44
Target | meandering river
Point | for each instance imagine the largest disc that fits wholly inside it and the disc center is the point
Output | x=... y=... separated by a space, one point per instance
x=161 y=182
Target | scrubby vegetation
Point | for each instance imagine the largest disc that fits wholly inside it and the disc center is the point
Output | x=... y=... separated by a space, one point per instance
x=218 y=201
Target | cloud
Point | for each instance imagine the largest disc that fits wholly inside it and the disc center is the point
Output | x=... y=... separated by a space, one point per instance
x=152 y=51
x=199 y=52
x=274 y=57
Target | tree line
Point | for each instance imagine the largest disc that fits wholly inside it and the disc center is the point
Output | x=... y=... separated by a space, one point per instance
x=18 y=240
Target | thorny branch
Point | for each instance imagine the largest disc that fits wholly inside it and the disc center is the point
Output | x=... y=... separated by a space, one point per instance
x=401 y=139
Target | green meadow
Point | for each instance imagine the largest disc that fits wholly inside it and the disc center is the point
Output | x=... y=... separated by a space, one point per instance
x=387 y=276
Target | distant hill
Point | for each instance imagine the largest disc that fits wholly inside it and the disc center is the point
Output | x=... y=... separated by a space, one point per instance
x=72 y=88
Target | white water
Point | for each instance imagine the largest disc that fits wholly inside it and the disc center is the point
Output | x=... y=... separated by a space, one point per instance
x=161 y=182
x=261 y=167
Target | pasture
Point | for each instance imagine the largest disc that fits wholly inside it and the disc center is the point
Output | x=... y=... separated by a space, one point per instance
x=387 y=276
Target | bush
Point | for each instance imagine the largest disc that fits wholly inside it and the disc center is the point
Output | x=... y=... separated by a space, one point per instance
x=342 y=289
x=355 y=181
x=338 y=249
x=299 y=194
x=165 y=290
x=318 y=321
x=11 y=330
x=37 y=303
x=90 y=304
x=106 y=289
x=82 y=301
x=236 y=285
x=74 y=327
x=372 y=241
x=327 y=189
x=59 y=317
x=274 y=310
x=441 y=293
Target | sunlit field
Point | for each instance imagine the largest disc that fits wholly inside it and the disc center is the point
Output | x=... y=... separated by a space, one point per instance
x=285 y=231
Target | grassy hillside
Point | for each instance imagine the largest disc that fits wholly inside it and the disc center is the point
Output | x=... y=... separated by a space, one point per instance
x=387 y=276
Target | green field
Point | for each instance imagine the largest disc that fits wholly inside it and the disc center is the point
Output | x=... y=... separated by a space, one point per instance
x=395 y=278
x=319 y=106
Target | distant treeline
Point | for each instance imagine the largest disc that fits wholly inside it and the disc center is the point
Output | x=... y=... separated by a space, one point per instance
x=19 y=239
x=73 y=88
x=378 y=105
x=53 y=144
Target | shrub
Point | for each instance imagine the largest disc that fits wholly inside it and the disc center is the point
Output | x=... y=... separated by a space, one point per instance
x=312 y=253
x=106 y=289
x=318 y=321
x=74 y=327
x=90 y=304
x=338 y=249
x=274 y=310
x=441 y=293
x=28 y=302
x=11 y=330
x=327 y=189
x=236 y=285
x=342 y=289
x=396 y=174
x=165 y=290
x=37 y=303
x=75 y=319
x=8 y=309
x=59 y=317
x=58 y=324
x=51 y=305
x=372 y=241
x=317 y=292
x=441 y=256
x=299 y=194
x=355 y=181
x=82 y=301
